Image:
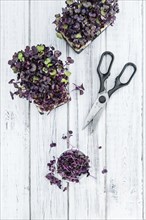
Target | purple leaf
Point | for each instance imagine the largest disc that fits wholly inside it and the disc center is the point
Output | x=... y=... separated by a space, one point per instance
x=70 y=60
x=69 y=134
x=65 y=188
x=53 y=144
x=11 y=81
x=104 y=171
x=64 y=137
x=82 y=87
x=54 y=180
x=12 y=95
x=81 y=92
x=79 y=88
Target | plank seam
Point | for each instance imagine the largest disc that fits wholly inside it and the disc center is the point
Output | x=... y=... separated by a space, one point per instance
x=105 y=178
x=143 y=110
x=68 y=141
x=29 y=113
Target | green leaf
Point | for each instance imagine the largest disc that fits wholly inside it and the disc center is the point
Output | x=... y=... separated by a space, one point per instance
x=65 y=26
x=64 y=80
x=35 y=78
x=20 y=56
x=49 y=64
x=69 y=2
x=78 y=36
x=103 y=1
x=97 y=21
x=79 y=5
x=40 y=48
x=53 y=73
x=45 y=70
x=14 y=69
x=47 y=61
x=103 y=13
x=67 y=73
x=59 y=35
x=23 y=88
x=57 y=16
x=41 y=53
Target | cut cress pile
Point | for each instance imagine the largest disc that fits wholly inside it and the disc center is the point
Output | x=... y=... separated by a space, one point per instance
x=42 y=77
x=71 y=166
x=83 y=20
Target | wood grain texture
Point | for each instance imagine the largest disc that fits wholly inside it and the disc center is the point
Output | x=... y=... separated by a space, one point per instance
x=124 y=121
x=46 y=202
x=14 y=117
x=87 y=195
x=26 y=135
x=144 y=107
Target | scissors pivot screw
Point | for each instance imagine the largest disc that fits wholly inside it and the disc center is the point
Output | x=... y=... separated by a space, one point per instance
x=102 y=99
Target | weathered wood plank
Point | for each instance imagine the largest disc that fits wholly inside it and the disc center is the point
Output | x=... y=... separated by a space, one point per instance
x=120 y=130
x=124 y=118
x=87 y=199
x=144 y=108
x=14 y=117
x=47 y=202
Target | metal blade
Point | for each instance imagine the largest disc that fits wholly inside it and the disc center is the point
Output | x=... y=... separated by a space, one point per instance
x=95 y=120
x=95 y=108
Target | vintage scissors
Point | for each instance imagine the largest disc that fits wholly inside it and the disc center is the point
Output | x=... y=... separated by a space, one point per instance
x=104 y=96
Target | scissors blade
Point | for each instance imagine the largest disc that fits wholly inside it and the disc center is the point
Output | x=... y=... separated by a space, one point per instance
x=95 y=109
x=95 y=120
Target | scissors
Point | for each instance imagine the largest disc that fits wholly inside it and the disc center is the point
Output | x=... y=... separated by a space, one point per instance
x=103 y=95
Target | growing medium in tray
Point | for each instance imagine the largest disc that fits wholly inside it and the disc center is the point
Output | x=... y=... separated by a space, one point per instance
x=41 y=77
x=82 y=21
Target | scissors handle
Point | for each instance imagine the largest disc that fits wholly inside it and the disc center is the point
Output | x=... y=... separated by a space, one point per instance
x=104 y=76
x=118 y=83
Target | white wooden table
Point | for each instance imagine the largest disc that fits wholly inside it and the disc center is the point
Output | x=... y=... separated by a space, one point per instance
x=26 y=135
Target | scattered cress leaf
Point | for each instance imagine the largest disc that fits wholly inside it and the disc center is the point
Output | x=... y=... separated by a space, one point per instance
x=53 y=144
x=70 y=132
x=12 y=95
x=70 y=60
x=79 y=88
x=104 y=171
x=64 y=137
